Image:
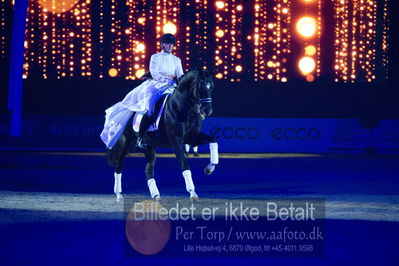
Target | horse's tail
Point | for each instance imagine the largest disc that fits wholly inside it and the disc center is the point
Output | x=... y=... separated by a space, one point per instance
x=114 y=154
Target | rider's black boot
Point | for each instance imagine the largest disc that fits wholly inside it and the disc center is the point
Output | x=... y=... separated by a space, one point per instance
x=146 y=121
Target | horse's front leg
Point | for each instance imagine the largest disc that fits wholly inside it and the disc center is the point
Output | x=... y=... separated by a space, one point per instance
x=214 y=149
x=181 y=157
x=200 y=139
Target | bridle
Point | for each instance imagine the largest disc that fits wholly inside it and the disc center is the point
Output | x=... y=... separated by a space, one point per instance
x=208 y=86
x=200 y=101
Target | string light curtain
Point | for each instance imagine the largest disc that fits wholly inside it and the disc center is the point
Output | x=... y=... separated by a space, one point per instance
x=195 y=36
x=385 y=38
x=2 y=28
x=168 y=21
x=116 y=40
x=271 y=38
x=355 y=40
x=318 y=41
x=228 y=39
x=136 y=52
x=307 y=19
x=58 y=38
x=5 y=26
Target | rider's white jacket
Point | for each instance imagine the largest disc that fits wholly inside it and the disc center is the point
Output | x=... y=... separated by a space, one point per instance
x=163 y=64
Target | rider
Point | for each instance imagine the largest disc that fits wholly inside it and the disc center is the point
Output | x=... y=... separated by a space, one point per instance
x=164 y=68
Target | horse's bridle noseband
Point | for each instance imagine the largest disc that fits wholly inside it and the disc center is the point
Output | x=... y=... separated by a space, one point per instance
x=201 y=100
x=208 y=85
x=205 y=100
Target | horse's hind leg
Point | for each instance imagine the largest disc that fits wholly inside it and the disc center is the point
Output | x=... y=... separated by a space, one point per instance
x=123 y=144
x=149 y=172
x=118 y=186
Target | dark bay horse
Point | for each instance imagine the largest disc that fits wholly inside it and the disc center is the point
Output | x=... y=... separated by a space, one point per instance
x=176 y=128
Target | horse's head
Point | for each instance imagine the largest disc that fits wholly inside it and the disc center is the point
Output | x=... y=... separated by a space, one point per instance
x=197 y=86
x=204 y=90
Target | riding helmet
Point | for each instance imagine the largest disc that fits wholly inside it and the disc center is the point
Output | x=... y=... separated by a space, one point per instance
x=168 y=38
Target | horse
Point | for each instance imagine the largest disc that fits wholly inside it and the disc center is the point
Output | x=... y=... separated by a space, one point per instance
x=176 y=128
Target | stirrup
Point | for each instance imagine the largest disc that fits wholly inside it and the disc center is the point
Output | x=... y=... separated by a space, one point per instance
x=140 y=143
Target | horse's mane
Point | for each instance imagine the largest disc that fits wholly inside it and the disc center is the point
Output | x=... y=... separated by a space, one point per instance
x=187 y=79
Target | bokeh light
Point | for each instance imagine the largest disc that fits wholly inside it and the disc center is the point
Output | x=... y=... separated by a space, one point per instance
x=219 y=33
x=140 y=47
x=306 y=26
x=113 y=72
x=139 y=73
x=306 y=65
x=310 y=78
x=310 y=50
x=58 y=6
x=169 y=28
x=219 y=4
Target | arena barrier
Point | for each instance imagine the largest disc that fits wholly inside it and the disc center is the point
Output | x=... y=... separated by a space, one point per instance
x=241 y=135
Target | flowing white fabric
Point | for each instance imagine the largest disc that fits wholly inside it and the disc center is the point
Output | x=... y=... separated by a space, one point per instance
x=143 y=97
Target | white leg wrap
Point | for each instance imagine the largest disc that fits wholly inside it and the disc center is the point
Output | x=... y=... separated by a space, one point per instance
x=214 y=152
x=118 y=183
x=152 y=185
x=189 y=180
x=195 y=149
x=187 y=147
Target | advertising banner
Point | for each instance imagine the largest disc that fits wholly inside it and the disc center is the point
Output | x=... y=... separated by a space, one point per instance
x=234 y=135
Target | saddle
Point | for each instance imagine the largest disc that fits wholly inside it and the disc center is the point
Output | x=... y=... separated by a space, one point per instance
x=156 y=115
x=157 y=109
